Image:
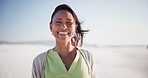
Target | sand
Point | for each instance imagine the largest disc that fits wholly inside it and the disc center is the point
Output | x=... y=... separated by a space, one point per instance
x=16 y=61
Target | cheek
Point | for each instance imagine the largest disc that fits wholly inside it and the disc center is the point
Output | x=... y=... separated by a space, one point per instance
x=73 y=29
x=54 y=30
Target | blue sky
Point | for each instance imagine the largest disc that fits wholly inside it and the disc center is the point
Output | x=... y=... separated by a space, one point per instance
x=109 y=21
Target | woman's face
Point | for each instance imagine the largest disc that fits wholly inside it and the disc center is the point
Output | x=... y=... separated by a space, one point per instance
x=63 y=26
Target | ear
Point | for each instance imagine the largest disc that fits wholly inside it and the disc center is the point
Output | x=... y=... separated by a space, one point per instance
x=73 y=41
x=76 y=27
x=50 y=25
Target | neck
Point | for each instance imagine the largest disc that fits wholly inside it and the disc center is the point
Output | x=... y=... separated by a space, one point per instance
x=64 y=49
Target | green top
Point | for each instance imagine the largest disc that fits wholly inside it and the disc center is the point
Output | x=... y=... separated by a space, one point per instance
x=55 y=68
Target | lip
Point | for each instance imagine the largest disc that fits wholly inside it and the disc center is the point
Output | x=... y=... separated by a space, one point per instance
x=63 y=33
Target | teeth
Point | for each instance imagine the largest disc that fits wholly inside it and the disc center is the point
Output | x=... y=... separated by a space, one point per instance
x=63 y=33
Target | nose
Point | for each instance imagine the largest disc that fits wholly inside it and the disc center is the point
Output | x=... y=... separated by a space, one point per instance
x=64 y=26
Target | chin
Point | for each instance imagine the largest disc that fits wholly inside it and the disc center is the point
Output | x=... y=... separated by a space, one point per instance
x=64 y=40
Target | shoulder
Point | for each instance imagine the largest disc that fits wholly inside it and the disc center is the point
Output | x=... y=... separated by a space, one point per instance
x=38 y=65
x=85 y=52
x=40 y=57
x=90 y=61
x=87 y=55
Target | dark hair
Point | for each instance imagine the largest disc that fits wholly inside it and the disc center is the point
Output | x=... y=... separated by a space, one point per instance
x=79 y=32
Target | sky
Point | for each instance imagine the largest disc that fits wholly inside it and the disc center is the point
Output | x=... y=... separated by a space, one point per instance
x=111 y=22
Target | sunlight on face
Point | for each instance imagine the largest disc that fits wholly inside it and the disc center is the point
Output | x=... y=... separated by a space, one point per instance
x=63 y=26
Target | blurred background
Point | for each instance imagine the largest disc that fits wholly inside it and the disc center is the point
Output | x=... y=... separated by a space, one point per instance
x=115 y=22
x=118 y=35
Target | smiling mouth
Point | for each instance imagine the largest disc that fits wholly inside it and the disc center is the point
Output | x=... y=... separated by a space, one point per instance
x=63 y=33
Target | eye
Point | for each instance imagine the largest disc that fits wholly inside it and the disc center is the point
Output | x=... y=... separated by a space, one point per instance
x=58 y=22
x=69 y=23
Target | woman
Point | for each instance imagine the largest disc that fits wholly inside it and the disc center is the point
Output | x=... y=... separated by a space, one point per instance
x=65 y=60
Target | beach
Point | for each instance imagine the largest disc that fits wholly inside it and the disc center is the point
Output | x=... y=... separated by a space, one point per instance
x=16 y=61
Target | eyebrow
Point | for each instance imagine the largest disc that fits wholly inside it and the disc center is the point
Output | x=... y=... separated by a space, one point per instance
x=58 y=19
x=68 y=19
x=61 y=19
